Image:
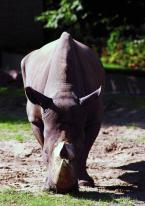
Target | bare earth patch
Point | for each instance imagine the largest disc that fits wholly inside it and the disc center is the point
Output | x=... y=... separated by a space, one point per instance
x=116 y=162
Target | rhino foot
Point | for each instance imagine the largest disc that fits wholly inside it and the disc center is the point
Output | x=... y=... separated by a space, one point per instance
x=86 y=180
x=74 y=189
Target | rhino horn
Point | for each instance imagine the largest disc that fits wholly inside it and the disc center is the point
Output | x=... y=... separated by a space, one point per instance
x=90 y=97
x=64 y=150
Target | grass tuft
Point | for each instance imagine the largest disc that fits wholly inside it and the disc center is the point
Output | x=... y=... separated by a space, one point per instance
x=14 y=198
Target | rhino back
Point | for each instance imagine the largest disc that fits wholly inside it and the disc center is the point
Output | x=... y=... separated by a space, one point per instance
x=35 y=66
x=64 y=62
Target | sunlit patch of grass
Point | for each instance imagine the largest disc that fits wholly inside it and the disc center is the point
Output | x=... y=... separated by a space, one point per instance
x=124 y=201
x=20 y=138
x=13 y=198
x=143 y=138
x=10 y=198
x=140 y=139
x=15 y=131
x=13 y=121
x=113 y=67
x=132 y=126
x=137 y=139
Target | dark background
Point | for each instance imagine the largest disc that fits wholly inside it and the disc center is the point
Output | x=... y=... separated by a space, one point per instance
x=18 y=29
x=20 y=32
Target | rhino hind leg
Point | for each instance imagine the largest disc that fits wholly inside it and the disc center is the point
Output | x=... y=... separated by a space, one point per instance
x=90 y=136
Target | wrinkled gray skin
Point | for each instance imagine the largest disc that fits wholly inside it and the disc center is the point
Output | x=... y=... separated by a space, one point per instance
x=63 y=81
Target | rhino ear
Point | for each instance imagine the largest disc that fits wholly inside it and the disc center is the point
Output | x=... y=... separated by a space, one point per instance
x=90 y=97
x=37 y=98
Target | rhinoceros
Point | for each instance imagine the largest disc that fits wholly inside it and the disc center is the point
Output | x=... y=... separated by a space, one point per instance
x=63 y=83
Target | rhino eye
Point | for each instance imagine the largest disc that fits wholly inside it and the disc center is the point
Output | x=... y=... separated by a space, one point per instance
x=45 y=111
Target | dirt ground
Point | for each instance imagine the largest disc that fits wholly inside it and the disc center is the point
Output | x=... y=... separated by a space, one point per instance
x=116 y=160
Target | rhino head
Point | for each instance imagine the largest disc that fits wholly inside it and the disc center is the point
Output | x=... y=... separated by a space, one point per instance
x=63 y=127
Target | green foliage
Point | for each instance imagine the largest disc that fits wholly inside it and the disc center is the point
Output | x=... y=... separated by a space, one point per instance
x=65 y=15
x=127 y=52
x=136 y=51
x=88 y=20
x=112 y=41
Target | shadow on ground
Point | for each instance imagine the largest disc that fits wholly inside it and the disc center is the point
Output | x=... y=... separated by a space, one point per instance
x=123 y=110
x=119 y=109
x=134 y=175
x=137 y=194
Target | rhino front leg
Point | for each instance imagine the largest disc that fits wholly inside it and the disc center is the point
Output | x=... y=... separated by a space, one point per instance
x=90 y=136
x=37 y=128
x=36 y=122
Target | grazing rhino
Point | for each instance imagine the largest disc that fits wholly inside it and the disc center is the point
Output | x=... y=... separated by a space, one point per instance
x=63 y=82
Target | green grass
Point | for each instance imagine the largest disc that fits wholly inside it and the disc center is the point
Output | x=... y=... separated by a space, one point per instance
x=11 y=91
x=118 y=67
x=137 y=139
x=13 y=121
x=15 y=131
x=113 y=66
x=132 y=126
x=14 y=126
x=143 y=138
x=13 y=198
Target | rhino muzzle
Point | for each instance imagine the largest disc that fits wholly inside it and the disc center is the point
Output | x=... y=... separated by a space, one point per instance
x=62 y=175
